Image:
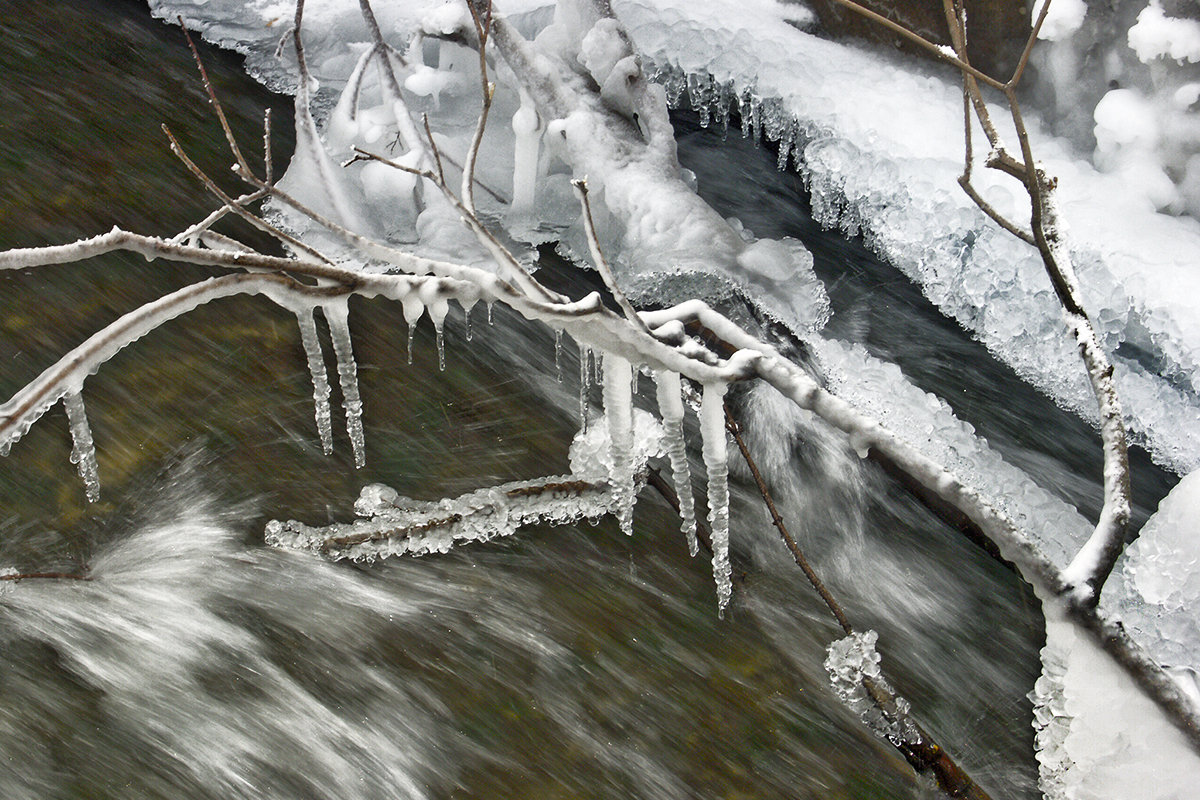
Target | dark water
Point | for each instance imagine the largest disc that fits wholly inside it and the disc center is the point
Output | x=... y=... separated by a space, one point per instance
x=565 y=662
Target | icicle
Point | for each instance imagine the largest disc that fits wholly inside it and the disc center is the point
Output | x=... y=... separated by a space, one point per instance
x=438 y=307
x=670 y=406
x=338 y=315
x=83 y=451
x=490 y=305
x=320 y=379
x=712 y=431
x=618 y=408
x=413 y=308
x=584 y=385
x=527 y=128
x=467 y=323
x=558 y=346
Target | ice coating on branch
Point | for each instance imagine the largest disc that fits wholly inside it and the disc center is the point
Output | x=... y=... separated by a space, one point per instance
x=83 y=450
x=670 y=407
x=716 y=463
x=320 y=378
x=880 y=148
x=585 y=382
x=850 y=662
x=338 y=316
x=618 y=409
x=1097 y=735
x=436 y=527
x=1156 y=587
x=396 y=525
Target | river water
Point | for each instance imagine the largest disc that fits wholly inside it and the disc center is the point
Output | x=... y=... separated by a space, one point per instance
x=568 y=662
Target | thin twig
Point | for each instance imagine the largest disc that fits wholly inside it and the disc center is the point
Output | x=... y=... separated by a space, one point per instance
x=482 y=28
x=602 y=266
x=214 y=101
x=834 y=607
x=233 y=206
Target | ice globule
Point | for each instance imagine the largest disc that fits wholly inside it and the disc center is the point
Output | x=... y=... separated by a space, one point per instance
x=855 y=673
x=83 y=450
x=670 y=407
x=716 y=463
x=618 y=407
x=320 y=378
x=338 y=316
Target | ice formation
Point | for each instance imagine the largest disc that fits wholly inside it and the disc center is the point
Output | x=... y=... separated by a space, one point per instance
x=670 y=407
x=337 y=314
x=393 y=525
x=853 y=665
x=716 y=463
x=83 y=450
x=878 y=143
x=320 y=378
x=1098 y=736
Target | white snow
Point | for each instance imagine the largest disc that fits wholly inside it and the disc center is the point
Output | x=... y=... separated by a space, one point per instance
x=1155 y=35
x=1098 y=736
x=1063 y=18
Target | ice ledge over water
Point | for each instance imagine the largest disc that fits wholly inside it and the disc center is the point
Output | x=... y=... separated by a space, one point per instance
x=881 y=149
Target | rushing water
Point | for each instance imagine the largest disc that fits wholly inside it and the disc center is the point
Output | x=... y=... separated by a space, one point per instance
x=565 y=662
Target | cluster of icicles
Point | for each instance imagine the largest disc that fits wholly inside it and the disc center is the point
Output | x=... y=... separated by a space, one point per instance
x=490 y=512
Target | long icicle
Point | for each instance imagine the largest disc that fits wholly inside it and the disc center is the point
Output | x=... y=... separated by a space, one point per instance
x=670 y=407
x=338 y=315
x=618 y=408
x=83 y=449
x=320 y=378
x=712 y=430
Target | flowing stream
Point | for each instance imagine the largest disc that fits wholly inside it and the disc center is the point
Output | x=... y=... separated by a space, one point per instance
x=563 y=662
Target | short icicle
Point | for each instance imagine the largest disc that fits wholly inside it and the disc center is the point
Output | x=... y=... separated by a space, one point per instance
x=338 y=315
x=320 y=378
x=670 y=407
x=83 y=450
x=618 y=408
x=712 y=431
